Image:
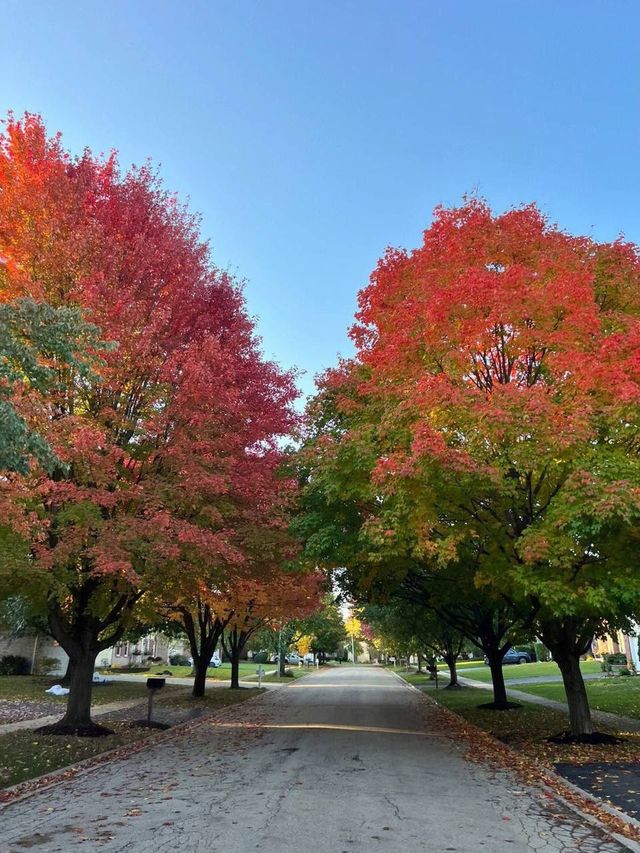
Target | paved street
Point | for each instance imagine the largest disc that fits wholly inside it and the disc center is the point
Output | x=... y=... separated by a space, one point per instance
x=343 y=761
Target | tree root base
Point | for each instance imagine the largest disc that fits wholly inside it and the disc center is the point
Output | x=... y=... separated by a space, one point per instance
x=454 y=687
x=491 y=706
x=69 y=729
x=595 y=739
x=145 y=724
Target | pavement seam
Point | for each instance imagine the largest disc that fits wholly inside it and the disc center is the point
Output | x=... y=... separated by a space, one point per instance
x=629 y=843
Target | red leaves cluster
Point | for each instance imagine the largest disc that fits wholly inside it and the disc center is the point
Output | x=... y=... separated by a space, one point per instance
x=175 y=450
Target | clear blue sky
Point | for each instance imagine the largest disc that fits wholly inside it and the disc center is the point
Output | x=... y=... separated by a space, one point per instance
x=310 y=135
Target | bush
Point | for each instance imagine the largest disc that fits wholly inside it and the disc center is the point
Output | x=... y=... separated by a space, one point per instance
x=14 y=665
x=624 y=671
x=178 y=660
x=260 y=657
x=47 y=666
x=542 y=652
x=130 y=668
x=617 y=659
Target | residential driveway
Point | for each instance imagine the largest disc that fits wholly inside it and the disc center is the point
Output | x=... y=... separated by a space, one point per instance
x=343 y=761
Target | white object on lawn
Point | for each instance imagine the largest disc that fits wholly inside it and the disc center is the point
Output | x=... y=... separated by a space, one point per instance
x=58 y=690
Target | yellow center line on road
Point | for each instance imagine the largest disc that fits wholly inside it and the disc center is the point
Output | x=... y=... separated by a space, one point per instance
x=341 y=684
x=324 y=726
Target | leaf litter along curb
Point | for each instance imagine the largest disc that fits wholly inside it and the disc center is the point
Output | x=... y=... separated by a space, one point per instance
x=484 y=748
x=27 y=788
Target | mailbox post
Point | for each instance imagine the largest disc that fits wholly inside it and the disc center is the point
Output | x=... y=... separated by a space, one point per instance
x=153 y=685
x=259 y=673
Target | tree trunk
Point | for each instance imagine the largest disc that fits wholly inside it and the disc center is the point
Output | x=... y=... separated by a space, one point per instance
x=419 y=662
x=200 y=665
x=500 y=701
x=568 y=640
x=78 y=713
x=235 y=668
x=574 y=686
x=65 y=681
x=451 y=662
x=203 y=634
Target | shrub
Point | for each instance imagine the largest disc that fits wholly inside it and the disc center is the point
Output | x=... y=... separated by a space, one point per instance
x=14 y=665
x=178 y=660
x=130 y=668
x=617 y=659
x=260 y=657
x=542 y=652
x=624 y=671
x=47 y=665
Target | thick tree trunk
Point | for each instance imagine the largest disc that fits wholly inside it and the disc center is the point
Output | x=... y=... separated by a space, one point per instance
x=568 y=640
x=235 y=669
x=574 y=686
x=78 y=713
x=65 y=681
x=200 y=666
x=495 y=655
x=419 y=662
x=83 y=634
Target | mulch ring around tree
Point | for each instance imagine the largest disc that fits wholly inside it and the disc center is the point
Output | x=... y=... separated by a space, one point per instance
x=618 y=784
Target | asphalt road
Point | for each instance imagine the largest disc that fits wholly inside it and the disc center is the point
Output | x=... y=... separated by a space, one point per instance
x=343 y=761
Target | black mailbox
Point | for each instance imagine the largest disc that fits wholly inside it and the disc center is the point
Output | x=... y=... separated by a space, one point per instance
x=156 y=683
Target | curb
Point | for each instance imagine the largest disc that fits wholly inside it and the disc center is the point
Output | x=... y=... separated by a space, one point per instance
x=547 y=775
x=31 y=787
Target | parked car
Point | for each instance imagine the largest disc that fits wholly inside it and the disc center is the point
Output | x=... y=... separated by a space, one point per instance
x=308 y=658
x=215 y=661
x=290 y=657
x=514 y=656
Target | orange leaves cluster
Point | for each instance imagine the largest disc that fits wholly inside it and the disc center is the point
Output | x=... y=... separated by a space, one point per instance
x=496 y=321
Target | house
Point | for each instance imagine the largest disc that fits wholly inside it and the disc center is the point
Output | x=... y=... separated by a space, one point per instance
x=620 y=643
x=37 y=648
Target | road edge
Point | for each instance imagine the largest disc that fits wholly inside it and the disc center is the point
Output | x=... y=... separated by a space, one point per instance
x=558 y=781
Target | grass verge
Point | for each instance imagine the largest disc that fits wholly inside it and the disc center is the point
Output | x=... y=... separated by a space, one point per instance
x=528 y=727
x=480 y=672
x=617 y=695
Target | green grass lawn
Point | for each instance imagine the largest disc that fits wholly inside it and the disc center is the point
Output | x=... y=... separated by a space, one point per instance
x=222 y=673
x=524 y=670
x=618 y=695
x=527 y=728
x=26 y=754
x=32 y=688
